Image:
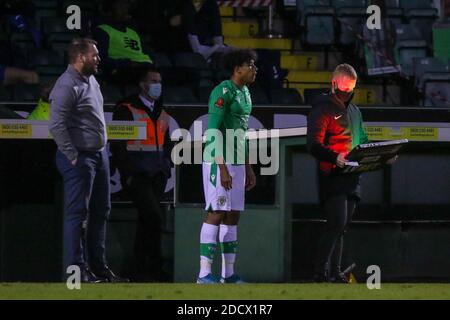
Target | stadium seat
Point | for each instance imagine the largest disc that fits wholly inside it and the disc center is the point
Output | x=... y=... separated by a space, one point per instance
x=437 y=92
x=21 y=44
x=410 y=44
x=54 y=25
x=190 y=60
x=395 y=13
x=285 y=96
x=427 y=69
x=194 y=64
x=258 y=95
x=284 y=44
x=27 y=93
x=46 y=4
x=46 y=78
x=59 y=42
x=50 y=71
x=178 y=95
x=161 y=60
x=43 y=13
x=131 y=90
x=172 y=76
x=221 y=74
x=309 y=95
x=421 y=14
x=146 y=42
x=87 y=7
x=418 y=7
x=45 y=58
x=203 y=94
x=5 y=94
x=351 y=16
x=318 y=20
x=111 y=94
x=320 y=23
x=239 y=29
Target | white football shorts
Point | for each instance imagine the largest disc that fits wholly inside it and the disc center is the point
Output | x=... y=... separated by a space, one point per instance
x=216 y=197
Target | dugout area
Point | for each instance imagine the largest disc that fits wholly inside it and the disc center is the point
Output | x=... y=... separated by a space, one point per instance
x=401 y=225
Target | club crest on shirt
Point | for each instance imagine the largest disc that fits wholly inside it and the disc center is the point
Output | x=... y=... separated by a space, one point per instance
x=221 y=201
x=219 y=103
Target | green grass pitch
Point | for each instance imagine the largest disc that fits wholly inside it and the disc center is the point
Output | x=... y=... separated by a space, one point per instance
x=223 y=292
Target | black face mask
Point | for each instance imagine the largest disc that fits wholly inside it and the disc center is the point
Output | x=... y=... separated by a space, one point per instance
x=342 y=95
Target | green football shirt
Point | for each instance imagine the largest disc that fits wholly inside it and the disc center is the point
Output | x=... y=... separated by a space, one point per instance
x=229 y=113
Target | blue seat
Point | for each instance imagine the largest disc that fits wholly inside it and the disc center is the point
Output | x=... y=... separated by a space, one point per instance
x=352 y=17
x=409 y=44
x=421 y=14
x=318 y=20
x=428 y=69
x=394 y=12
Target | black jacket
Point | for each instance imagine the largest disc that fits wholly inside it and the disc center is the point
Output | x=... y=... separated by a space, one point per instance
x=333 y=128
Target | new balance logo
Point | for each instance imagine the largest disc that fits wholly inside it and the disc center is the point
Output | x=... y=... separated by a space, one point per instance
x=133 y=44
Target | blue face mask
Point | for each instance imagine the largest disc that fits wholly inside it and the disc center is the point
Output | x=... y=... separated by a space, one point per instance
x=154 y=90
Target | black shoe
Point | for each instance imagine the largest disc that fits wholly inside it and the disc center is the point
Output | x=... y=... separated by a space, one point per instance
x=344 y=276
x=110 y=276
x=88 y=277
x=340 y=278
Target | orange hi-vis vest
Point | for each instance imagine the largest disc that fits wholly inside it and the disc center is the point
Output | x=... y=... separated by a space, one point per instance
x=155 y=135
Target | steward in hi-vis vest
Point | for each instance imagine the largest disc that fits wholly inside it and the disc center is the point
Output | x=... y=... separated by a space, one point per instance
x=145 y=166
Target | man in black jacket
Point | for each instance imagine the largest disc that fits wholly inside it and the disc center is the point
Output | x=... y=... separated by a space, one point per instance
x=334 y=128
x=144 y=166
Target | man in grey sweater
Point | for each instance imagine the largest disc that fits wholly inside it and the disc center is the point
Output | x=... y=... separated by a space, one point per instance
x=77 y=124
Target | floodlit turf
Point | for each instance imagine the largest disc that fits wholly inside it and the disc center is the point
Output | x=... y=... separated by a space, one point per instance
x=224 y=292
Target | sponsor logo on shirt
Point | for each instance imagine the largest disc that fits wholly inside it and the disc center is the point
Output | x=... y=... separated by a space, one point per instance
x=219 y=103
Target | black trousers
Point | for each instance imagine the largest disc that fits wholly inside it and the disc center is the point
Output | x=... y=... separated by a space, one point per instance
x=146 y=194
x=339 y=196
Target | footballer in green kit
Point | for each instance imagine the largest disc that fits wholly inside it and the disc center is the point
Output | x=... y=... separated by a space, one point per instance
x=227 y=173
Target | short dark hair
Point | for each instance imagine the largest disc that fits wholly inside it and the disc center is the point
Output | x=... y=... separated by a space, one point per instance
x=77 y=46
x=142 y=71
x=237 y=57
x=346 y=70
